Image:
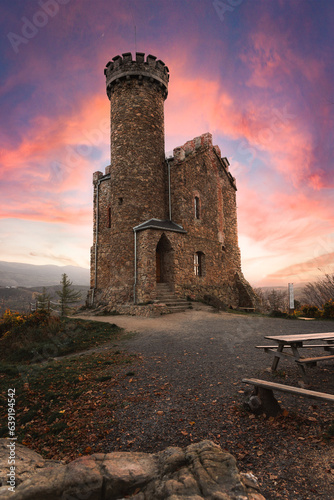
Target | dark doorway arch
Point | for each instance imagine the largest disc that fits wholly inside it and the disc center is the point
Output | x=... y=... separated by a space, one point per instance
x=164 y=261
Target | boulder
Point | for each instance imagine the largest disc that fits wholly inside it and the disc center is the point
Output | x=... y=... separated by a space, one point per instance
x=200 y=471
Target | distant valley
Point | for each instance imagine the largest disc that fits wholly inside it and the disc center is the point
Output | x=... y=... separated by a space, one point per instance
x=21 y=283
x=29 y=275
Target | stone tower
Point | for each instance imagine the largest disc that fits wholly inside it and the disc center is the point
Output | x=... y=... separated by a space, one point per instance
x=133 y=189
x=137 y=91
x=161 y=225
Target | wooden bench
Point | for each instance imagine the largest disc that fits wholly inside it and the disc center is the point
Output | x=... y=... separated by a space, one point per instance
x=265 y=402
x=314 y=361
x=327 y=347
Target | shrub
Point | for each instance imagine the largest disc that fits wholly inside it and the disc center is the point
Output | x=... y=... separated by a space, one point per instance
x=311 y=312
x=278 y=314
x=328 y=309
x=9 y=321
x=21 y=333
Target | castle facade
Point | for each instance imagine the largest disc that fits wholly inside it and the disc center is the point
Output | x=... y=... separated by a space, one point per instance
x=156 y=219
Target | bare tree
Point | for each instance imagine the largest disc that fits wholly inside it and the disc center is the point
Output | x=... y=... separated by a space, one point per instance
x=277 y=299
x=319 y=292
x=272 y=300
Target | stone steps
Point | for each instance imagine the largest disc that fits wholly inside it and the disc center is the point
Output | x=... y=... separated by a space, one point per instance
x=166 y=296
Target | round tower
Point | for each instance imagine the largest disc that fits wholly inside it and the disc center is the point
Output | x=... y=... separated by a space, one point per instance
x=137 y=91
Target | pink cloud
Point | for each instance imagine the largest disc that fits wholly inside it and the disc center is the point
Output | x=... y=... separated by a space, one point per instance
x=285 y=221
x=287 y=210
x=271 y=59
x=53 y=158
x=305 y=270
x=277 y=132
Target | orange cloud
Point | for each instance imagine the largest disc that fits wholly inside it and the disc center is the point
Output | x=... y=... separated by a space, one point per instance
x=203 y=104
x=305 y=270
x=56 y=157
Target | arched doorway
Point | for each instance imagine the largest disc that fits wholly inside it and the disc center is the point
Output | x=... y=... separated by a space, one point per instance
x=164 y=260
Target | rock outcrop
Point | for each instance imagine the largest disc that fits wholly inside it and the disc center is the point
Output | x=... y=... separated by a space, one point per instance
x=200 y=471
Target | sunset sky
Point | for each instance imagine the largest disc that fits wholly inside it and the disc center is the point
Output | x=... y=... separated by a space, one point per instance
x=257 y=74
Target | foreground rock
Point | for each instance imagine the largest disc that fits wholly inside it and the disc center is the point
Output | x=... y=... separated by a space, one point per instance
x=200 y=471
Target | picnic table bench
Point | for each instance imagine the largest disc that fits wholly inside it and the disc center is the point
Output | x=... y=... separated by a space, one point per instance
x=264 y=399
x=295 y=342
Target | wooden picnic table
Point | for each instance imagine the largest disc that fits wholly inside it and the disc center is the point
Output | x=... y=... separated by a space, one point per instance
x=300 y=341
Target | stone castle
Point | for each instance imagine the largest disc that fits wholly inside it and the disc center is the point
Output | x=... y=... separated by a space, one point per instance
x=161 y=222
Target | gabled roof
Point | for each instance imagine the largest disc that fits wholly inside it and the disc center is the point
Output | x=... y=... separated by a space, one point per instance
x=165 y=225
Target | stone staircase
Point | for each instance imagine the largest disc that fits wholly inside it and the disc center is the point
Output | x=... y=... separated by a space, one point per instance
x=166 y=296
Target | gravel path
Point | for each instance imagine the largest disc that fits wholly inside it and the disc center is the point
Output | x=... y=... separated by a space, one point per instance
x=186 y=386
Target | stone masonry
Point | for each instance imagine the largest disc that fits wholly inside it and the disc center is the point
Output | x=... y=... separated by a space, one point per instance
x=159 y=220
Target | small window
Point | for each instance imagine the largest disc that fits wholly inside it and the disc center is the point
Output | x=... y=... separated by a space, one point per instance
x=198 y=263
x=223 y=253
x=120 y=201
x=197 y=208
x=109 y=217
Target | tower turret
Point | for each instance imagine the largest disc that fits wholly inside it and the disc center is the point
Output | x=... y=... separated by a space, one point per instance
x=137 y=90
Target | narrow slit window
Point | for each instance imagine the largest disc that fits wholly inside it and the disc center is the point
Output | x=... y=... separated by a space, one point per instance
x=109 y=217
x=197 y=208
x=198 y=263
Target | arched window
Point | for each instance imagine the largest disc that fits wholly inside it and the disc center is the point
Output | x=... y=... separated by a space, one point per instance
x=197 y=207
x=199 y=263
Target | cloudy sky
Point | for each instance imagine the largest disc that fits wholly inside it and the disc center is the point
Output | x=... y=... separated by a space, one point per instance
x=257 y=74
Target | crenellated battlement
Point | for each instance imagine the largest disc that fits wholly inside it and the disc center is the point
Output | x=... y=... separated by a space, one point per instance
x=200 y=142
x=124 y=68
x=204 y=140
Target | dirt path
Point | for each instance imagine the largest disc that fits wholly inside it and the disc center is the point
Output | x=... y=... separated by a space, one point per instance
x=188 y=386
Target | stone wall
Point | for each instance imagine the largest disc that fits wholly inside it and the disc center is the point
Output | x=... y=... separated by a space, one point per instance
x=198 y=171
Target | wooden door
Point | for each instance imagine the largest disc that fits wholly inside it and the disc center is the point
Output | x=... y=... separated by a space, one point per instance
x=158 y=266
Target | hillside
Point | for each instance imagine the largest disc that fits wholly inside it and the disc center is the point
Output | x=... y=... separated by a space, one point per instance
x=20 y=298
x=29 y=275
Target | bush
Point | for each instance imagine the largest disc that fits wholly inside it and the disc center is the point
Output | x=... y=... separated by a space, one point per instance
x=311 y=312
x=14 y=321
x=20 y=333
x=328 y=309
x=278 y=314
x=9 y=321
x=320 y=292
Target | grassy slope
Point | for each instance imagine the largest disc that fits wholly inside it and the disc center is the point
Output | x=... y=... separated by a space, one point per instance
x=56 y=400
